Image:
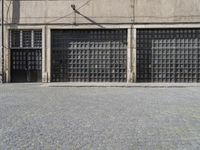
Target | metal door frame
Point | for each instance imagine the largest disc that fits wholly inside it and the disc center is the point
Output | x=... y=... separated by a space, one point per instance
x=7 y=55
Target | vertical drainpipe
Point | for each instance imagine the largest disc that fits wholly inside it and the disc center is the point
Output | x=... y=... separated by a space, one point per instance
x=2 y=42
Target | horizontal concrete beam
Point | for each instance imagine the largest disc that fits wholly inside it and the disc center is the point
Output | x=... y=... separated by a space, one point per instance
x=102 y=11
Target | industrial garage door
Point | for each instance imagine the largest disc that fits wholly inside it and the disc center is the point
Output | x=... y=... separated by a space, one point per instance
x=89 y=56
x=168 y=55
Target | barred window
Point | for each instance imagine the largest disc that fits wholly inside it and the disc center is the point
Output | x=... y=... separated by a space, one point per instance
x=26 y=39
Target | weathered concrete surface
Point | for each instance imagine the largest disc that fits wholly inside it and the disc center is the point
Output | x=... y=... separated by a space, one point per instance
x=167 y=11
x=35 y=117
x=103 y=11
x=126 y=85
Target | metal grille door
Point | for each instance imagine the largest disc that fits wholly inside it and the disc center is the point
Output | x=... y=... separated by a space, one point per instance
x=26 y=55
x=89 y=56
x=26 y=65
x=168 y=55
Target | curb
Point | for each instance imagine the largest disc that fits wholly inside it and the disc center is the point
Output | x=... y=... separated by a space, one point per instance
x=128 y=85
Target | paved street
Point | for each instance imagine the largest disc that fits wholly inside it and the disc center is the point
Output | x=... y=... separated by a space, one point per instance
x=39 y=117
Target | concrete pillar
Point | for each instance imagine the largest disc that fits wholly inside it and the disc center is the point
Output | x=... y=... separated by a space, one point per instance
x=7 y=57
x=1 y=49
x=129 y=56
x=44 y=55
x=48 y=53
x=134 y=56
x=131 y=59
x=1 y=45
x=1 y=69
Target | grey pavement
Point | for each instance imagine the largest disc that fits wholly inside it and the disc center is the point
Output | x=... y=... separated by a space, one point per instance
x=35 y=116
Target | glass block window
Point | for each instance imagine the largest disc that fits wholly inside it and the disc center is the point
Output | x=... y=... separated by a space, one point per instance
x=37 y=39
x=15 y=38
x=20 y=39
x=89 y=55
x=26 y=38
x=168 y=55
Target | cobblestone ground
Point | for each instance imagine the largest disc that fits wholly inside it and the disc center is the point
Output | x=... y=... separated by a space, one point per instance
x=35 y=117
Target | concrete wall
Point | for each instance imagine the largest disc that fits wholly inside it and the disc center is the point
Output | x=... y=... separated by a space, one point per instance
x=167 y=11
x=102 y=11
x=129 y=14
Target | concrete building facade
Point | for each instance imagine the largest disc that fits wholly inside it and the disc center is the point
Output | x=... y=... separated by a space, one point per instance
x=101 y=41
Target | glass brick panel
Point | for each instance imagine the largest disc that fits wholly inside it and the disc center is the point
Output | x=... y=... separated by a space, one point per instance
x=168 y=55
x=89 y=55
